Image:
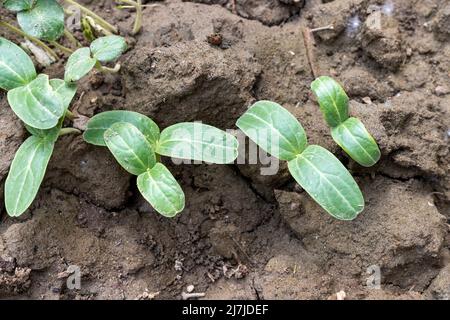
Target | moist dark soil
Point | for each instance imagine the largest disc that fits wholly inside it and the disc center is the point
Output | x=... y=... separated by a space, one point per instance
x=244 y=235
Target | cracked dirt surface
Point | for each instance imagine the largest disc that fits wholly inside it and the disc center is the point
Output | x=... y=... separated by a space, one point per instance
x=244 y=235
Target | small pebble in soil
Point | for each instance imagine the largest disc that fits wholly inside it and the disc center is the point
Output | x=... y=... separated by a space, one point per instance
x=215 y=39
x=441 y=90
x=341 y=295
x=367 y=100
x=190 y=288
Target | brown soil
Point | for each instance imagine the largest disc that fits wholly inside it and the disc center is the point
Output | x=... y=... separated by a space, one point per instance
x=244 y=235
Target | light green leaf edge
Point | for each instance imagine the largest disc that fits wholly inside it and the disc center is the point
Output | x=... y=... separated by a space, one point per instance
x=79 y=64
x=98 y=124
x=16 y=67
x=162 y=191
x=65 y=90
x=199 y=142
x=44 y=21
x=130 y=148
x=332 y=99
x=37 y=104
x=315 y=169
x=266 y=122
x=18 y=5
x=353 y=137
x=26 y=174
x=109 y=48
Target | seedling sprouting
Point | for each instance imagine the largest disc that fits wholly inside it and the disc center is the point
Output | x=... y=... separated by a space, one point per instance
x=105 y=49
x=44 y=20
x=42 y=104
x=137 y=144
x=348 y=132
x=316 y=169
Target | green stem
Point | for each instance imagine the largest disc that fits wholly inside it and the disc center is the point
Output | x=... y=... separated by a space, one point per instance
x=72 y=38
x=66 y=131
x=70 y=115
x=33 y=39
x=138 y=20
x=99 y=19
x=97 y=26
x=104 y=69
x=61 y=47
x=131 y=4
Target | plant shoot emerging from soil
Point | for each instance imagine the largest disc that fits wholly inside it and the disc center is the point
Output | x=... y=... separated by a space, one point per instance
x=42 y=104
x=316 y=169
x=105 y=49
x=44 y=20
x=348 y=132
x=137 y=144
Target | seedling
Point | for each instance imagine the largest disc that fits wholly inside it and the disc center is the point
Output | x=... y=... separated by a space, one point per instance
x=42 y=104
x=44 y=20
x=316 y=169
x=137 y=144
x=348 y=132
x=105 y=49
x=49 y=51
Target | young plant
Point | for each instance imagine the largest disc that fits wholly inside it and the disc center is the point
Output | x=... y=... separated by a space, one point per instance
x=348 y=132
x=105 y=49
x=137 y=144
x=316 y=169
x=43 y=19
x=42 y=104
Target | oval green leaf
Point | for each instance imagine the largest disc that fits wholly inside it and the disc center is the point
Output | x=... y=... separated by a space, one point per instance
x=109 y=48
x=44 y=21
x=274 y=129
x=101 y=122
x=26 y=174
x=18 y=5
x=65 y=90
x=356 y=141
x=79 y=64
x=161 y=190
x=37 y=104
x=130 y=148
x=16 y=67
x=328 y=182
x=333 y=100
x=197 y=141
